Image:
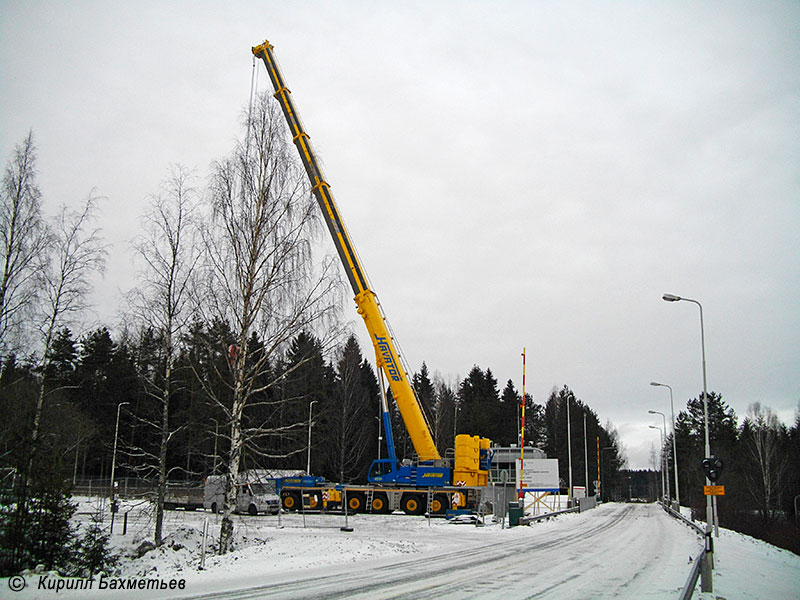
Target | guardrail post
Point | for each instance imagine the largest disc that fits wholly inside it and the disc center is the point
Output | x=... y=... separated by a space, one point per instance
x=706 y=583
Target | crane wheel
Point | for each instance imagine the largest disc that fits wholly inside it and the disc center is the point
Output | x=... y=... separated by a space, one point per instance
x=412 y=504
x=380 y=504
x=355 y=502
x=439 y=504
x=291 y=501
x=314 y=501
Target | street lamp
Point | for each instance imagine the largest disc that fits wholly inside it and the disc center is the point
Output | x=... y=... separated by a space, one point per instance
x=665 y=457
x=308 y=464
x=114 y=463
x=661 y=432
x=674 y=443
x=673 y=298
x=569 y=457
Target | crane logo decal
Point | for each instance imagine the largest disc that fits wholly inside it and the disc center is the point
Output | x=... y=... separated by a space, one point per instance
x=388 y=358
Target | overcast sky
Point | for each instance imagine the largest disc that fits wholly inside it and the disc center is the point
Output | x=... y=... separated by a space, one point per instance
x=513 y=174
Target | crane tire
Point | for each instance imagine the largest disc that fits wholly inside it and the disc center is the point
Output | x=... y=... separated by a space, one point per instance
x=380 y=503
x=439 y=504
x=412 y=504
x=290 y=501
x=356 y=502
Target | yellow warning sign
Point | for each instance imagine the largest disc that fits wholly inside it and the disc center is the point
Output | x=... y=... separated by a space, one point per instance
x=714 y=490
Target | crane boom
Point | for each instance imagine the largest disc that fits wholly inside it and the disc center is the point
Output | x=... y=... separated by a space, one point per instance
x=386 y=356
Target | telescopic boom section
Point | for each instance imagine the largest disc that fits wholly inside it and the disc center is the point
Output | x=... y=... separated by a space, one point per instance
x=386 y=356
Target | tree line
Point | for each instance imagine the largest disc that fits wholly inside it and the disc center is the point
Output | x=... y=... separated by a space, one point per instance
x=98 y=386
x=761 y=471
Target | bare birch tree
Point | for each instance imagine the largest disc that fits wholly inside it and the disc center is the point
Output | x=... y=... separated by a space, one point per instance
x=170 y=253
x=23 y=236
x=76 y=251
x=261 y=276
x=761 y=434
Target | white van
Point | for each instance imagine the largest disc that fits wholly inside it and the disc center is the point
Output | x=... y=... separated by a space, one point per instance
x=254 y=494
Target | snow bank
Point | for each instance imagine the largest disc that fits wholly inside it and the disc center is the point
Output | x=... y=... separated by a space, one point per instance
x=745 y=567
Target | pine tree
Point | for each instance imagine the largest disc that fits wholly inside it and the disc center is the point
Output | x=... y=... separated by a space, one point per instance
x=92 y=553
x=478 y=403
x=444 y=420
x=351 y=415
x=423 y=387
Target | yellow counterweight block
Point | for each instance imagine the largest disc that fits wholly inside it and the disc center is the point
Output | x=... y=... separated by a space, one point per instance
x=467 y=469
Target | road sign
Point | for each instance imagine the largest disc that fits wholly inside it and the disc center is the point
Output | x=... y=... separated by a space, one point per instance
x=539 y=475
x=714 y=490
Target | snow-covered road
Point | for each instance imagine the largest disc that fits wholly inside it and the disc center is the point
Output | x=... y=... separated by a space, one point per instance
x=613 y=551
x=630 y=551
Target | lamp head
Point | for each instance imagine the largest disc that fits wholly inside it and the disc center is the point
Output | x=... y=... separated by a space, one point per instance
x=655 y=383
x=670 y=297
x=652 y=427
x=652 y=412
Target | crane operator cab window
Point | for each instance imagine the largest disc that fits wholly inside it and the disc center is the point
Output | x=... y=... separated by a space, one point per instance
x=381 y=467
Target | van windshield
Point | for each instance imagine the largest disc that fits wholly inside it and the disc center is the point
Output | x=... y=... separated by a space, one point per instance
x=263 y=487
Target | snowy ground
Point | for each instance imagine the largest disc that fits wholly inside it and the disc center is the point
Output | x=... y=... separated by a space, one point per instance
x=615 y=550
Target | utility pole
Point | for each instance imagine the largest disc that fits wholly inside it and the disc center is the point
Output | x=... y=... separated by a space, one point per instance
x=308 y=463
x=113 y=465
x=585 y=457
x=569 y=456
x=522 y=439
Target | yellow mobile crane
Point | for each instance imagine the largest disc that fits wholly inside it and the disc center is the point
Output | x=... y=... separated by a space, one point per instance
x=472 y=454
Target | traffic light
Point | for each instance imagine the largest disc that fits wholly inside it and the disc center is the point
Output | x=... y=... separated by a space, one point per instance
x=713 y=468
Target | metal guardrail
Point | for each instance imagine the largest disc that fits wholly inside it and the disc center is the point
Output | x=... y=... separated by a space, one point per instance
x=533 y=519
x=699 y=561
x=694 y=574
x=684 y=520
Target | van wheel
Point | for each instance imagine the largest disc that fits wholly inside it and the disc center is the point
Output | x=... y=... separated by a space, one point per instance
x=252 y=510
x=214 y=507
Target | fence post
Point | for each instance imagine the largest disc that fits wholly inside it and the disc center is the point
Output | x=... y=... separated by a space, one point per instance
x=203 y=551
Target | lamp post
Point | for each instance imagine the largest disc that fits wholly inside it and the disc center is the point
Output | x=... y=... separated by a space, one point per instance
x=114 y=464
x=674 y=443
x=661 y=433
x=308 y=463
x=665 y=456
x=705 y=586
x=673 y=298
x=569 y=456
x=585 y=458
x=601 y=461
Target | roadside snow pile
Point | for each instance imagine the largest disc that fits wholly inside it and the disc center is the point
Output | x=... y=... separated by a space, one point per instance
x=180 y=550
x=745 y=567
